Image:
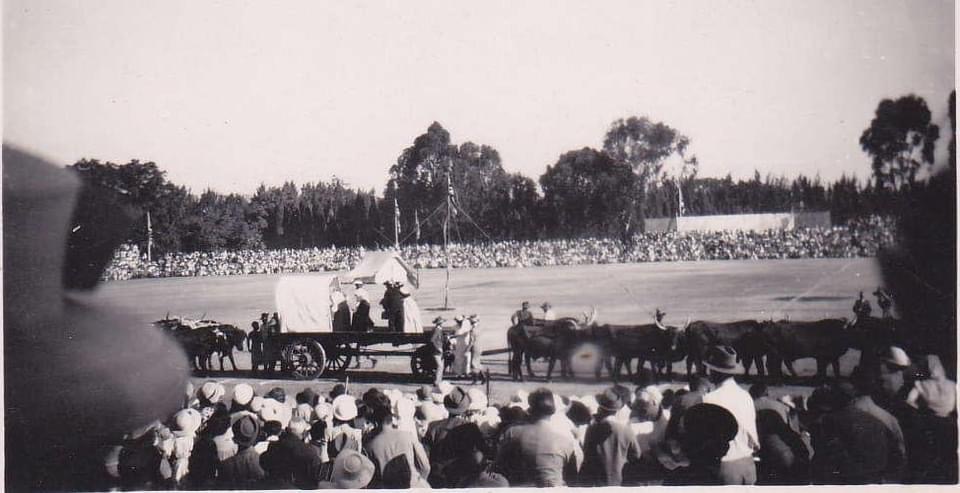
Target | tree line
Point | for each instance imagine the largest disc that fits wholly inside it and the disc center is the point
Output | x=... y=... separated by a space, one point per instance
x=644 y=169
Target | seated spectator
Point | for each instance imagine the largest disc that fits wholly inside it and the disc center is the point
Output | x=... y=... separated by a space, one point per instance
x=351 y=470
x=535 y=454
x=242 y=471
x=386 y=443
x=707 y=432
x=784 y=458
x=608 y=445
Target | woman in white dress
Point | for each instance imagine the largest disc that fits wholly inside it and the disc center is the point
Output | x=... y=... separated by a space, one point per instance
x=411 y=313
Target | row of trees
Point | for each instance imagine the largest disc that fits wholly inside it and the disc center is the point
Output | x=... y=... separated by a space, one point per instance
x=643 y=170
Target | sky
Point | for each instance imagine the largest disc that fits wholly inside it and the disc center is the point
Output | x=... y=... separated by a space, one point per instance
x=230 y=94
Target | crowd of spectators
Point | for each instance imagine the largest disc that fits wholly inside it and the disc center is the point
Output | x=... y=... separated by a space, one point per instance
x=862 y=238
x=896 y=424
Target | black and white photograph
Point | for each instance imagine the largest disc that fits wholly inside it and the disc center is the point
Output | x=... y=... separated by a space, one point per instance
x=260 y=245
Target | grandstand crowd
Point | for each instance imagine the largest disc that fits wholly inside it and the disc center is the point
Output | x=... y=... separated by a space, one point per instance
x=893 y=424
x=861 y=238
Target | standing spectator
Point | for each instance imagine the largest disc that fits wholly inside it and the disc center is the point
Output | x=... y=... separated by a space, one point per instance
x=536 y=454
x=461 y=348
x=884 y=301
x=708 y=433
x=456 y=402
x=858 y=443
x=386 y=443
x=784 y=458
x=438 y=342
x=255 y=346
x=737 y=466
x=342 y=435
x=476 y=350
x=361 y=315
x=608 y=445
x=242 y=471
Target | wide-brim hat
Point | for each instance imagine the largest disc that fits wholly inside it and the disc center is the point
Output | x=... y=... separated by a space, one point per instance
x=357 y=282
x=478 y=400
x=308 y=396
x=344 y=407
x=439 y=321
x=457 y=401
x=723 y=359
x=211 y=391
x=242 y=394
x=351 y=470
x=895 y=356
x=458 y=318
x=246 y=430
x=609 y=401
x=545 y=305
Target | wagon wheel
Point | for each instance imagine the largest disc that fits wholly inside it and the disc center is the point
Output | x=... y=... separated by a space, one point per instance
x=340 y=357
x=422 y=363
x=306 y=359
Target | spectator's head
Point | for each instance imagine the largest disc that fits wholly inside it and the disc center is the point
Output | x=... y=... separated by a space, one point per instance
x=609 y=402
x=423 y=393
x=722 y=363
x=298 y=428
x=456 y=402
x=758 y=390
x=344 y=409
x=542 y=404
x=579 y=414
x=668 y=397
x=337 y=390
x=351 y=470
x=380 y=408
x=707 y=431
x=255 y=326
x=525 y=305
x=277 y=394
x=210 y=393
x=272 y=428
x=308 y=396
x=246 y=431
x=699 y=383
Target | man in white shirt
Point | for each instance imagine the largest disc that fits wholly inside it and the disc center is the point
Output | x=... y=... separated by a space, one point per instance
x=737 y=467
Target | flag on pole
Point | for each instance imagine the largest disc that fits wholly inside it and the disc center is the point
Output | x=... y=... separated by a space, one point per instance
x=416 y=220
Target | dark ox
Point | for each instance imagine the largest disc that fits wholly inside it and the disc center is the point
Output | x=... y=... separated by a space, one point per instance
x=743 y=336
x=552 y=341
x=624 y=343
x=201 y=343
x=824 y=340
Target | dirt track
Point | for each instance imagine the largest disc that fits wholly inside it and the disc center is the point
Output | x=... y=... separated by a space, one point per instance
x=716 y=290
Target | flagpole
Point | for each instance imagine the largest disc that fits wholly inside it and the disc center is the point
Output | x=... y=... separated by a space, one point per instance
x=446 y=243
x=149 y=239
x=396 y=224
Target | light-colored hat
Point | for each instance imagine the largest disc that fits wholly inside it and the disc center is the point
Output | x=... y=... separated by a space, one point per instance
x=404 y=290
x=242 y=394
x=591 y=403
x=187 y=420
x=520 y=399
x=445 y=387
x=351 y=470
x=274 y=410
x=256 y=403
x=323 y=410
x=478 y=400
x=432 y=412
x=723 y=359
x=458 y=318
x=303 y=411
x=357 y=282
x=298 y=427
x=212 y=391
x=344 y=407
x=896 y=357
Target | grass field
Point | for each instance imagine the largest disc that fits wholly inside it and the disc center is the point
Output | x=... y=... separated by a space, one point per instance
x=625 y=293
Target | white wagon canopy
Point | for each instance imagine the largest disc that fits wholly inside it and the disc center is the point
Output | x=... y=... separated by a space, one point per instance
x=379 y=267
x=303 y=302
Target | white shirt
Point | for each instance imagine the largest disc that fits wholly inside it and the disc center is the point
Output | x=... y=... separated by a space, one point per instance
x=549 y=314
x=731 y=397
